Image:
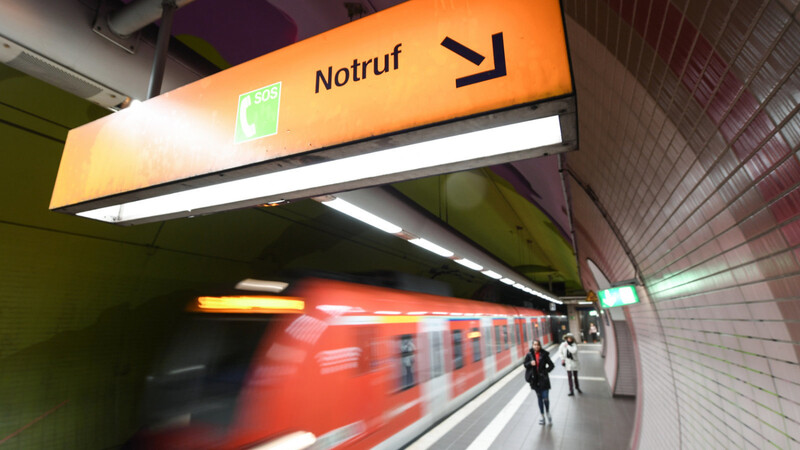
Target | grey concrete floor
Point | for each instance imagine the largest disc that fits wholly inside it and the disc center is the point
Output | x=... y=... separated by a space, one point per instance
x=592 y=420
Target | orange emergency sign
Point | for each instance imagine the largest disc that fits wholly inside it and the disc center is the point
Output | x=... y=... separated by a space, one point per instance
x=421 y=63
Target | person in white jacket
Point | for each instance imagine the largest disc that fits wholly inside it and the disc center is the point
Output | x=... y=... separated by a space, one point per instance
x=569 y=359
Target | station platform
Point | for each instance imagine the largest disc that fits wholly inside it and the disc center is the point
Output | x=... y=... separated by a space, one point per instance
x=506 y=416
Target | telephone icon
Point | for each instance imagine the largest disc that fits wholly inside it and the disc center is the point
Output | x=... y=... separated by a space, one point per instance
x=249 y=129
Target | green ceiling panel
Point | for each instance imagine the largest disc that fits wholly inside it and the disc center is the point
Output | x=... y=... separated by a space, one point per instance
x=487 y=209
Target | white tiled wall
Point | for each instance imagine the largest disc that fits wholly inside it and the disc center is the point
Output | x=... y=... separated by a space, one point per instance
x=689 y=136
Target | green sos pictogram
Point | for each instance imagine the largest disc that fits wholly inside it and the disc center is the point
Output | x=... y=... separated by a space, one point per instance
x=257 y=115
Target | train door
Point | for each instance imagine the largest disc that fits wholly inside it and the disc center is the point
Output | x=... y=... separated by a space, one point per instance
x=521 y=336
x=512 y=339
x=526 y=325
x=489 y=362
x=531 y=327
x=435 y=331
x=368 y=375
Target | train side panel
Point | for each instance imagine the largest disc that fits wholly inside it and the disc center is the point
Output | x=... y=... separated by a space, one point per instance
x=370 y=367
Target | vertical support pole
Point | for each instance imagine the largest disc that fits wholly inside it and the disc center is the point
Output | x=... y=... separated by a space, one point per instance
x=574 y=320
x=162 y=44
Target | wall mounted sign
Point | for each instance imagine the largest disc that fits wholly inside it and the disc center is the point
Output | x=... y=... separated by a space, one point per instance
x=618 y=296
x=423 y=88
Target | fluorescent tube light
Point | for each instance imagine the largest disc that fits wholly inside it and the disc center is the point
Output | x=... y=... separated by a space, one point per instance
x=469 y=264
x=186 y=369
x=251 y=284
x=275 y=186
x=492 y=274
x=548 y=298
x=364 y=216
x=406 y=234
x=431 y=247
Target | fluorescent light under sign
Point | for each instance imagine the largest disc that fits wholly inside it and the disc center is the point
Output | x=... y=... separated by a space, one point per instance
x=275 y=186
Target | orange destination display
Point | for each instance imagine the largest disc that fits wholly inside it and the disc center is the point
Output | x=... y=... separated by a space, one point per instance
x=423 y=88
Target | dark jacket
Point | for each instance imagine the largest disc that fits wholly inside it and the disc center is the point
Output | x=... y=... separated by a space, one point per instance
x=537 y=376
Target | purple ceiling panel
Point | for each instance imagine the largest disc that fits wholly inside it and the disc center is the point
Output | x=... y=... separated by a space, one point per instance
x=239 y=30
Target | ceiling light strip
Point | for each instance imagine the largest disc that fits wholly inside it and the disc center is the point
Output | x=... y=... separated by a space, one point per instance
x=371 y=219
x=469 y=264
x=362 y=215
x=431 y=247
x=492 y=274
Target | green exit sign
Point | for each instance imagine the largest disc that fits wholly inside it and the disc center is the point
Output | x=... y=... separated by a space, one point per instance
x=618 y=296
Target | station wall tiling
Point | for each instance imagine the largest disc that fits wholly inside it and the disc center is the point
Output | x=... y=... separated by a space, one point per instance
x=689 y=129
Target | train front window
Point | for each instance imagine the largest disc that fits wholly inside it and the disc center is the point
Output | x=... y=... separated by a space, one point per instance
x=199 y=378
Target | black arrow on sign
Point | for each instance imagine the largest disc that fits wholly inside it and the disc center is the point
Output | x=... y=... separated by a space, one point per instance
x=476 y=58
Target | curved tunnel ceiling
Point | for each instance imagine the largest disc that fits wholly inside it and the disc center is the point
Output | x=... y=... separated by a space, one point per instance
x=687 y=178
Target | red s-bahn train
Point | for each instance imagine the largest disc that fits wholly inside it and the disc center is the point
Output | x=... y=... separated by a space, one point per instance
x=334 y=365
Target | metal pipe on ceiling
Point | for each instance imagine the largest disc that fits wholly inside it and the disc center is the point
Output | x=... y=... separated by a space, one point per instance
x=50 y=40
x=138 y=14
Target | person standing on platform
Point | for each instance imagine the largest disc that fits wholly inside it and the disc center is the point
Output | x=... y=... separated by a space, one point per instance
x=537 y=369
x=569 y=359
x=593 y=332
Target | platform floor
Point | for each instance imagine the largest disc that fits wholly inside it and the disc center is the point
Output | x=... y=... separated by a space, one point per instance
x=506 y=416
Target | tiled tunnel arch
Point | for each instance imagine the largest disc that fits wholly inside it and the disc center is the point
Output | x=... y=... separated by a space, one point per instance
x=689 y=138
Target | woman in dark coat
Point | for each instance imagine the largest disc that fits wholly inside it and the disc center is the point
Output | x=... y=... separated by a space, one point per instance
x=537 y=367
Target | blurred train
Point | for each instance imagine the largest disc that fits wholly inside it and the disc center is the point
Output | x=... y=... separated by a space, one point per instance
x=333 y=365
